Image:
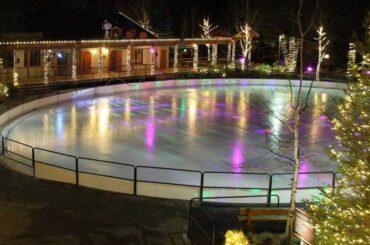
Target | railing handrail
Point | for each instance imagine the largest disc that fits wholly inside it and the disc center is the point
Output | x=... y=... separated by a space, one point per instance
x=230 y=172
x=18 y=142
x=165 y=168
x=106 y=161
x=269 y=188
x=55 y=152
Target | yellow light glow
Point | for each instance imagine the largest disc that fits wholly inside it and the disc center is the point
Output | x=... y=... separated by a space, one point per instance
x=105 y=50
x=235 y=237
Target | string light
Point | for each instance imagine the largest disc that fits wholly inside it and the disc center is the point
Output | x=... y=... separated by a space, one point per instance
x=128 y=60
x=176 y=58
x=246 y=41
x=351 y=59
x=100 y=62
x=15 y=73
x=214 y=54
x=323 y=43
x=46 y=54
x=134 y=42
x=74 y=64
x=233 y=46
x=152 y=66
x=342 y=214
x=290 y=52
x=195 y=56
x=207 y=28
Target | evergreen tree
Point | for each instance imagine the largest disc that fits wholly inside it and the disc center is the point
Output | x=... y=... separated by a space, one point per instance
x=342 y=215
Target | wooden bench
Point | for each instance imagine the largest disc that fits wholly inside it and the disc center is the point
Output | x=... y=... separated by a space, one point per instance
x=262 y=214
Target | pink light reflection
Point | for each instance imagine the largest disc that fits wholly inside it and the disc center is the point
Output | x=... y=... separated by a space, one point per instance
x=303 y=178
x=237 y=157
x=150 y=135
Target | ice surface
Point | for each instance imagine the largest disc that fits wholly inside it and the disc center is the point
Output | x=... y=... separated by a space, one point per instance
x=220 y=128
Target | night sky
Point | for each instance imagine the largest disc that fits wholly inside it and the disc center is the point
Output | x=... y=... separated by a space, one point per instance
x=72 y=19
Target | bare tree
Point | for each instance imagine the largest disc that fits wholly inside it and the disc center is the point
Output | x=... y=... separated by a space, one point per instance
x=298 y=106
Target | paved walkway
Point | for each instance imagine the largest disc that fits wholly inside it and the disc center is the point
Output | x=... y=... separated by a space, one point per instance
x=34 y=211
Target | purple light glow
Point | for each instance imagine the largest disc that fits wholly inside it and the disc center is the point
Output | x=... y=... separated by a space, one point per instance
x=237 y=157
x=368 y=72
x=302 y=178
x=150 y=135
x=323 y=117
x=309 y=69
x=242 y=60
x=263 y=131
x=152 y=50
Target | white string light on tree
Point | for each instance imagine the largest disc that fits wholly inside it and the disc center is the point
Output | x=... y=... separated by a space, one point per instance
x=128 y=59
x=46 y=54
x=100 y=62
x=152 y=65
x=232 y=64
x=207 y=28
x=195 y=56
x=214 y=54
x=246 y=43
x=176 y=58
x=290 y=52
x=15 y=73
x=351 y=59
x=323 y=43
x=74 y=64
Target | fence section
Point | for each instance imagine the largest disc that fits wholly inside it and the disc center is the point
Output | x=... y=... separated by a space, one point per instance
x=106 y=175
x=168 y=182
x=55 y=166
x=309 y=184
x=165 y=182
x=236 y=184
x=17 y=151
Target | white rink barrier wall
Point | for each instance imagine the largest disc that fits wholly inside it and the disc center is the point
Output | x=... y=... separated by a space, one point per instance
x=133 y=179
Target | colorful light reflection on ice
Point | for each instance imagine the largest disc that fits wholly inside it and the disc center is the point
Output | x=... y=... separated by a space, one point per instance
x=237 y=157
x=208 y=128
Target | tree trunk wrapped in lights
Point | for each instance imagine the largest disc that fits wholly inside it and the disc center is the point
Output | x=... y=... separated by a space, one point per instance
x=100 y=63
x=74 y=64
x=46 y=55
x=323 y=43
x=128 y=60
x=214 y=54
x=246 y=42
x=351 y=59
x=15 y=73
x=195 y=56
x=290 y=49
x=342 y=214
x=175 y=58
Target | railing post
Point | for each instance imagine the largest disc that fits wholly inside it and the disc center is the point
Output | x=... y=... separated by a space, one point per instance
x=269 y=192
x=77 y=177
x=33 y=162
x=333 y=181
x=135 y=180
x=2 y=145
x=201 y=186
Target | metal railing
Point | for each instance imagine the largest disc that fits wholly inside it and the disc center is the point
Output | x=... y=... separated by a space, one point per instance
x=204 y=213
x=159 y=181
